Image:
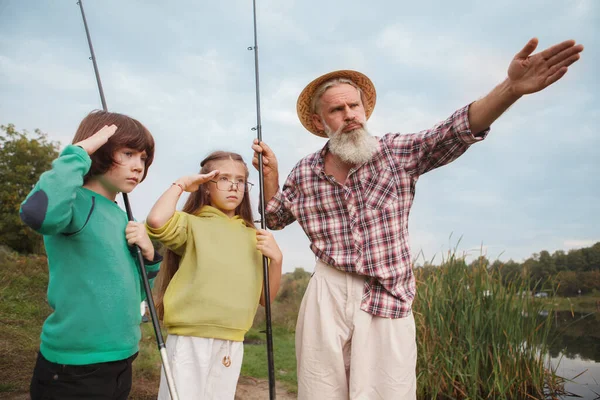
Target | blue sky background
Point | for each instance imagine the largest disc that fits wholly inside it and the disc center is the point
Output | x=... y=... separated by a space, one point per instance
x=182 y=68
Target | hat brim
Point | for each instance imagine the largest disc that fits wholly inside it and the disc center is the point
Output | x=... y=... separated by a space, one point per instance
x=369 y=96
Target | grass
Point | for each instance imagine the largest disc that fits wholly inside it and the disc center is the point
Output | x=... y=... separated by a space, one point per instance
x=23 y=309
x=147 y=366
x=255 y=357
x=473 y=338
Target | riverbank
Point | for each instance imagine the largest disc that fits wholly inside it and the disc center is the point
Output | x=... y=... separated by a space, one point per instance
x=580 y=304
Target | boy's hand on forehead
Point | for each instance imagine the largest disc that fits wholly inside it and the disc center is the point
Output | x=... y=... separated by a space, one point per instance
x=192 y=183
x=98 y=139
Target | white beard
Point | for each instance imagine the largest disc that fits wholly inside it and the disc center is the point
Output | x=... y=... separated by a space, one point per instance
x=355 y=147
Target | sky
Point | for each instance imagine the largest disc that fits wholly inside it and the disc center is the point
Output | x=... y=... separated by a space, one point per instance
x=183 y=69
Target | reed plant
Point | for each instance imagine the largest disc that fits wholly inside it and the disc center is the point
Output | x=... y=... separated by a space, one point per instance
x=479 y=339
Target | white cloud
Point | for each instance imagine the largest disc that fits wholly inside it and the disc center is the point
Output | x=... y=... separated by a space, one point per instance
x=584 y=8
x=209 y=68
x=46 y=70
x=423 y=49
x=579 y=243
x=276 y=18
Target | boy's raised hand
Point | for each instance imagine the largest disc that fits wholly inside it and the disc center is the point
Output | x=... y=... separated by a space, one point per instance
x=98 y=139
x=135 y=233
x=191 y=183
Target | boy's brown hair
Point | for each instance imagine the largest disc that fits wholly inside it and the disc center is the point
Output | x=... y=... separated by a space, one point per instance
x=130 y=133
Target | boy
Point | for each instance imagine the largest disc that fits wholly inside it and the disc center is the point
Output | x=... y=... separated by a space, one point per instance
x=91 y=338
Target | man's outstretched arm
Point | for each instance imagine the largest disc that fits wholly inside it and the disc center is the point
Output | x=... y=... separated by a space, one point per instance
x=526 y=74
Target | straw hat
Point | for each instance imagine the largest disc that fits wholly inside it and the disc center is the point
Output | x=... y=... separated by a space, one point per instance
x=303 y=106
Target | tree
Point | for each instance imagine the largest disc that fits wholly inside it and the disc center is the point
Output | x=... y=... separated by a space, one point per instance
x=576 y=260
x=592 y=257
x=481 y=261
x=293 y=286
x=22 y=160
x=560 y=260
x=567 y=283
x=543 y=269
x=509 y=271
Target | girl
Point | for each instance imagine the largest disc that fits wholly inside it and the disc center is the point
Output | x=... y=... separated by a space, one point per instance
x=212 y=279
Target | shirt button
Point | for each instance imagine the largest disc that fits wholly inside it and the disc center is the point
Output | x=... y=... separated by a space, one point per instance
x=55 y=377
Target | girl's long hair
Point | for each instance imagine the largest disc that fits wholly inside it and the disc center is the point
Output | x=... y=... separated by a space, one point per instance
x=194 y=203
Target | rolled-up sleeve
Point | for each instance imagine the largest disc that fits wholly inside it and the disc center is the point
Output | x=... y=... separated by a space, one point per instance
x=445 y=142
x=279 y=209
x=173 y=234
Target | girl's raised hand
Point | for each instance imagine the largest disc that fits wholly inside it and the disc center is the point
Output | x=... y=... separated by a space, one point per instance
x=98 y=139
x=191 y=183
x=266 y=244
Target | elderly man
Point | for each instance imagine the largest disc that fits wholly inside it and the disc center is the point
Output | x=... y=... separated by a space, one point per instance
x=355 y=336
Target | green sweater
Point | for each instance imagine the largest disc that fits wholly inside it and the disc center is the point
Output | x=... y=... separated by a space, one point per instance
x=94 y=284
x=216 y=290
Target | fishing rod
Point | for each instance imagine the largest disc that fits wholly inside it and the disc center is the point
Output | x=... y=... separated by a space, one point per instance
x=266 y=289
x=140 y=259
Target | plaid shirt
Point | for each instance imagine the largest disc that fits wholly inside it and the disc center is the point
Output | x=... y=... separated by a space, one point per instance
x=361 y=227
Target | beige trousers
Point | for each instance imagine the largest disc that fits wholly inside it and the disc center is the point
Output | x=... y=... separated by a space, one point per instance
x=346 y=353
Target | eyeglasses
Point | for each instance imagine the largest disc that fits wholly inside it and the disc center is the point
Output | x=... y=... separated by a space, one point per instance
x=225 y=184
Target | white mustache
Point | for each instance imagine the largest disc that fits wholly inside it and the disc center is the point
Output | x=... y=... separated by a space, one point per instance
x=356 y=146
x=362 y=125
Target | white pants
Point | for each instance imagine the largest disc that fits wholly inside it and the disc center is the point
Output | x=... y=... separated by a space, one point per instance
x=199 y=368
x=345 y=353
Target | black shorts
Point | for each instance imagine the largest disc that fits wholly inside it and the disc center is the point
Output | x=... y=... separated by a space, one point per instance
x=102 y=381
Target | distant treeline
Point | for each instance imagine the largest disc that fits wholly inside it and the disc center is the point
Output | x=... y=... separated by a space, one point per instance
x=572 y=273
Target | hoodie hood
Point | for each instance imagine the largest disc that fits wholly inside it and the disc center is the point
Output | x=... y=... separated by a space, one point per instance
x=212 y=212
